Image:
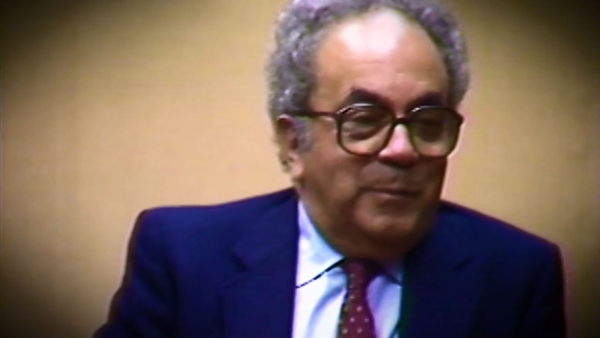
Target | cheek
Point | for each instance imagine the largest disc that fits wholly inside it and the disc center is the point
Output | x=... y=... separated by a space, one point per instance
x=338 y=175
x=435 y=172
x=331 y=170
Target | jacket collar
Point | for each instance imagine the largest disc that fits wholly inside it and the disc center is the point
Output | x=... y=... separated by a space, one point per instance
x=439 y=285
x=259 y=302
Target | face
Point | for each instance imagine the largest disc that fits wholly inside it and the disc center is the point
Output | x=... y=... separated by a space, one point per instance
x=377 y=206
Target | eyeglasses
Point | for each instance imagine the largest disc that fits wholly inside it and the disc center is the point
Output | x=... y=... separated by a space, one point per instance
x=365 y=129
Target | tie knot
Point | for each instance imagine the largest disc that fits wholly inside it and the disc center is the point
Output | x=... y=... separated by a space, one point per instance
x=360 y=272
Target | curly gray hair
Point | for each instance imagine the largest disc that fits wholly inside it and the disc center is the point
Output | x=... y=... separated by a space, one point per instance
x=301 y=26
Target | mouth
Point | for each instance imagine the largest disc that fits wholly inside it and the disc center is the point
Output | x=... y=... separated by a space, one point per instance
x=399 y=193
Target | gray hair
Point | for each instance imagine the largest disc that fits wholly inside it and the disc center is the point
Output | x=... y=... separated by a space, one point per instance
x=302 y=24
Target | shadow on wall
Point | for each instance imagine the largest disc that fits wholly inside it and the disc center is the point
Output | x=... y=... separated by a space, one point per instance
x=29 y=312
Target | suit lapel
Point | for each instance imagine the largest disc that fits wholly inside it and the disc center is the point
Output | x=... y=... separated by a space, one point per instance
x=440 y=284
x=259 y=302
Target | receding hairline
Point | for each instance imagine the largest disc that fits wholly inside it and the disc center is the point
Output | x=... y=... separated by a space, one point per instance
x=374 y=10
x=405 y=18
x=392 y=44
x=299 y=33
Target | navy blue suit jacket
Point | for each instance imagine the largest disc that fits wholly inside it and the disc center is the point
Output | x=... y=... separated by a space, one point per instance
x=229 y=271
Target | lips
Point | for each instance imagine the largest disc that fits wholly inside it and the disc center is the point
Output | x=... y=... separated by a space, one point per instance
x=395 y=192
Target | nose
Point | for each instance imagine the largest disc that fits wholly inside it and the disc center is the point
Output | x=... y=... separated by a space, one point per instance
x=399 y=149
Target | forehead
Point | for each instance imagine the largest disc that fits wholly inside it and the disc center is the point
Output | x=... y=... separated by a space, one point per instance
x=382 y=52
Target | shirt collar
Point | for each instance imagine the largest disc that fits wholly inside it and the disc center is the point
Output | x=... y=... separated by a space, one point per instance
x=315 y=255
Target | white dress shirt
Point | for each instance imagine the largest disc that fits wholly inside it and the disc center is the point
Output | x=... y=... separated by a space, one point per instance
x=318 y=302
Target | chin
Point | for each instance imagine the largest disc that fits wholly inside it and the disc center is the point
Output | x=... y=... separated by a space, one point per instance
x=396 y=226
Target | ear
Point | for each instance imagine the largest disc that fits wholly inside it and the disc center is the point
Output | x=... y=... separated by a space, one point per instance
x=464 y=107
x=288 y=136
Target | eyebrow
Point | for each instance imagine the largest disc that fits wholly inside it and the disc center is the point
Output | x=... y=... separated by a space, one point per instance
x=427 y=99
x=361 y=95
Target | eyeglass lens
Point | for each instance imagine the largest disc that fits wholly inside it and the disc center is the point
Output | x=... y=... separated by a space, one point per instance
x=433 y=131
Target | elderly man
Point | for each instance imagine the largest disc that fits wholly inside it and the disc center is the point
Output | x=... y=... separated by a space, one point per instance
x=364 y=99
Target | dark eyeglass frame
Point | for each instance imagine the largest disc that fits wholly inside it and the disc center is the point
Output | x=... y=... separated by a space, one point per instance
x=338 y=117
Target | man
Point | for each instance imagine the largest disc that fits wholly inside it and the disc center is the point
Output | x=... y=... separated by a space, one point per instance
x=364 y=99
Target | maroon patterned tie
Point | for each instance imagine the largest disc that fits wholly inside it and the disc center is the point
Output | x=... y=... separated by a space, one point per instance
x=356 y=319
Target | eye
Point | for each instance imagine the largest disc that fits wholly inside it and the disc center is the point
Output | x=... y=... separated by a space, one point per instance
x=366 y=117
x=429 y=130
x=431 y=125
x=364 y=122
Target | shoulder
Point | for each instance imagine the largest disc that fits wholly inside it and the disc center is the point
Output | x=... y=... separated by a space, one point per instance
x=488 y=234
x=219 y=223
x=519 y=274
x=247 y=208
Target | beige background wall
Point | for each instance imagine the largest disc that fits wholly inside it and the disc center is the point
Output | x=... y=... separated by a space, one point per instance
x=109 y=107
